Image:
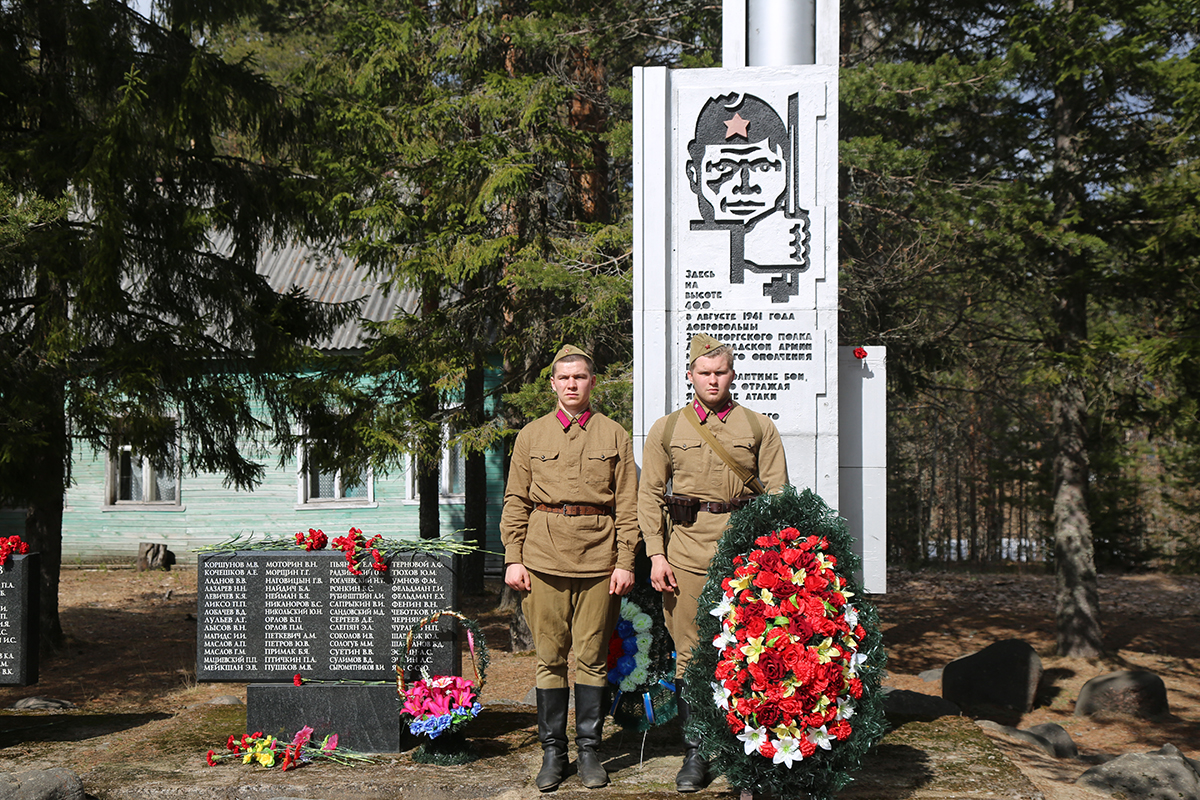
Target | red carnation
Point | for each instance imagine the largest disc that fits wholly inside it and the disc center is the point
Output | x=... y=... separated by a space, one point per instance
x=856 y=688
x=766 y=749
x=789 y=534
x=734 y=722
x=297 y=680
x=807 y=748
x=860 y=353
x=840 y=730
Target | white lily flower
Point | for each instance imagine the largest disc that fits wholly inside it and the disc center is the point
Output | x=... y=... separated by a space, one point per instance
x=721 y=696
x=845 y=709
x=724 y=639
x=787 y=750
x=820 y=737
x=752 y=738
x=851 y=615
x=722 y=608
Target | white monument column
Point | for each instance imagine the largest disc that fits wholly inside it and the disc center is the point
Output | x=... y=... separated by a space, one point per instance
x=735 y=228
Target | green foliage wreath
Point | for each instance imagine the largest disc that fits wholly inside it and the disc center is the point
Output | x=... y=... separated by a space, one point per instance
x=784 y=684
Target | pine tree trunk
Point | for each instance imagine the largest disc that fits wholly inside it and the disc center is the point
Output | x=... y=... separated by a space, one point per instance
x=44 y=513
x=1077 y=601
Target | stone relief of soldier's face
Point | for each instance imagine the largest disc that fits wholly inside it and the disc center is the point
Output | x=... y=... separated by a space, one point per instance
x=741 y=182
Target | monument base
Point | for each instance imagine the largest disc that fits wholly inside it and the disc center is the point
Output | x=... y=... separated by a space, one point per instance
x=365 y=718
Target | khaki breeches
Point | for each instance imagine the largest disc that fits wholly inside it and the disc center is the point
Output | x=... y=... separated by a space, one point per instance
x=570 y=613
x=679 y=609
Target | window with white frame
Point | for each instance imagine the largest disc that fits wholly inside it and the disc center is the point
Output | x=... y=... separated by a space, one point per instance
x=139 y=480
x=322 y=487
x=452 y=475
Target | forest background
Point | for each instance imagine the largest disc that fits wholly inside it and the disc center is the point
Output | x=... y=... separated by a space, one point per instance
x=1018 y=226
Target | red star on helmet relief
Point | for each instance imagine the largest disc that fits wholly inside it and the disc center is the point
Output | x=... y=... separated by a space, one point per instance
x=737 y=127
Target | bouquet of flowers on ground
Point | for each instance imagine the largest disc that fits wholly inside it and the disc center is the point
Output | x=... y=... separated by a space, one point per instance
x=785 y=679
x=255 y=748
x=440 y=707
x=441 y=704
x=641 y=662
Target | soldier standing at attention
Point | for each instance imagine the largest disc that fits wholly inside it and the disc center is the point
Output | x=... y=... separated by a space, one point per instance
x=717 y=455
x=569 y=528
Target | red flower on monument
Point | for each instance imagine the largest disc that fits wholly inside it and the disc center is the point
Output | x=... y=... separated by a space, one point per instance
x=860 y=353
x=10 y=545
x=297 y=680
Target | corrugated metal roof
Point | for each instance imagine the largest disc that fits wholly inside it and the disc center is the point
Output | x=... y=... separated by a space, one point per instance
x=332 y=277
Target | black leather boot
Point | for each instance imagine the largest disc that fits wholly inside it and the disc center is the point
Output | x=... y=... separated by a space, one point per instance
x=693 y=775
x=589 y=727
x=552 y=733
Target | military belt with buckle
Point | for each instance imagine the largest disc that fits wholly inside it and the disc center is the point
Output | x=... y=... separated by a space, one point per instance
x=576 y=510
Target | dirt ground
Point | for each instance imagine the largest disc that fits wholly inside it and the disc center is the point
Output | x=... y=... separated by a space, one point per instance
x=132 y=638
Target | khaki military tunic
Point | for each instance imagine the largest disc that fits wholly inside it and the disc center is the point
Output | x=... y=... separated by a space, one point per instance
x=592 y=465
x=696 y=471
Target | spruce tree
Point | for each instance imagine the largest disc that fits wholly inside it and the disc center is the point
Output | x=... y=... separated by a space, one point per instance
x=121 y=322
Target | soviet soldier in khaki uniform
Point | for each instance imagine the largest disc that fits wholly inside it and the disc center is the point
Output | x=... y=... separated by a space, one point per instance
x=569 y=528
x=704 y=491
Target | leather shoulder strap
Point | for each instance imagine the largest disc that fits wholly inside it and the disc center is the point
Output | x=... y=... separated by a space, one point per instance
x=755 y=428
x=669 y=431
x=744 y=475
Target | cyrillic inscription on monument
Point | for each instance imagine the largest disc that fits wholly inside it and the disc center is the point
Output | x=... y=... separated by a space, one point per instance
x=268 y=615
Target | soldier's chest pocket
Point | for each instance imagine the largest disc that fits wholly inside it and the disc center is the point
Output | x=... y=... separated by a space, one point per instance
x=743 y=453
x=687 y=457
x=598 y=466
x=545 y=466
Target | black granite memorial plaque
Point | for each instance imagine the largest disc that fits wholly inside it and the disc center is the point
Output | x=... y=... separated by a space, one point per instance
x=365 y=718
x=19 y=581
x=266 y=615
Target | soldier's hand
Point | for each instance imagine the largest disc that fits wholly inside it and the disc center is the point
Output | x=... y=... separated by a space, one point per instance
x=517 y=577
x=662 y=577
x=621 y=582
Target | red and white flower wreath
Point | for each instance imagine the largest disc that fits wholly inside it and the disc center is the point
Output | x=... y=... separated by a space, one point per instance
x=789 y=649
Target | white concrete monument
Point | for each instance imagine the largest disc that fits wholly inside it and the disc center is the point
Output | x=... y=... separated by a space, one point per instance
x=735 y=235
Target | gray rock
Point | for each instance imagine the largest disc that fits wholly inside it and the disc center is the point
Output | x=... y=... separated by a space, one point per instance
x=1163 y=774
x=41 y=784
x=1004 y=674
x=901 y=704
x=1136 y=692
x=42 y=703
x=1052 y=739
x=225 y=700
x=930 y=675
x=1056 y=736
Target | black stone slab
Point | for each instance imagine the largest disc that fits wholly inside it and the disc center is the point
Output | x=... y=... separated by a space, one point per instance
x=365 y=718
x=19 y=581
x=266 y=615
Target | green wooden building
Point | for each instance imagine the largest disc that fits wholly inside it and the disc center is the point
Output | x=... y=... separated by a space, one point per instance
x=118 y=500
